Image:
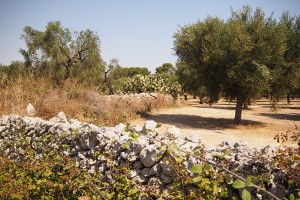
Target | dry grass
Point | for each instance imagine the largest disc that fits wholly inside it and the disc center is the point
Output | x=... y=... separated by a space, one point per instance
x=75 y=100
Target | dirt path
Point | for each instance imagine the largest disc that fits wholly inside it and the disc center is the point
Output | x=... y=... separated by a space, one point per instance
x=214 y=124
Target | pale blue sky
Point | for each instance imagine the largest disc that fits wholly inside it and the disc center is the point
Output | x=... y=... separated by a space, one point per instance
x=137 y=32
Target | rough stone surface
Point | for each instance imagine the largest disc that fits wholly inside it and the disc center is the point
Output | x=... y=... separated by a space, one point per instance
x=31 y=111
x=173 y=132
x=99 y=149
x=60 y=118
x=149 y=155
x=149 y=126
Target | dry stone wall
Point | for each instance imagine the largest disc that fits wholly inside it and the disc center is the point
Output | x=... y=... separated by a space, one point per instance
x=142 y=147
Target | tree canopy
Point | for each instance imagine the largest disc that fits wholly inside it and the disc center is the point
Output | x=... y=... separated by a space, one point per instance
x=62 y=50
x=237 y=58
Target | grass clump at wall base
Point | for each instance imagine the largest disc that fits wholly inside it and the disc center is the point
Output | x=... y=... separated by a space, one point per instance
x=76 y=100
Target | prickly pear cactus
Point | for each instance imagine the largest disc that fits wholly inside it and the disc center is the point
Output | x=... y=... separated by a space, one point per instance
x=152 y=83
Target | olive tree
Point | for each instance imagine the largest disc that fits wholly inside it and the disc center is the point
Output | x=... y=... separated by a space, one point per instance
x=233 y=57
x=59 y=47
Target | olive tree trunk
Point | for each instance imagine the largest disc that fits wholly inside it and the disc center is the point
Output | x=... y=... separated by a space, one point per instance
x=238 y=111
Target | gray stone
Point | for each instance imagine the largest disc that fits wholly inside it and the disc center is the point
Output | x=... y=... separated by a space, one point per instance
x=166 y=179
x=120 y=129
x=123 y=155
x=2 y=128
x=31 y=111
x=138 y=165
x=150 y=155
x=148 y=172
x=102 y=168
x=140 y=179
x=75 y=124
x=60 y=118
x=167 y=168
x=149 y=126
x=136 y=128
x=134 y=173
x=156 y=183
x=132 y=157
x=92 y=170
x=172 y=132
x=88 y=140
x=4 y=120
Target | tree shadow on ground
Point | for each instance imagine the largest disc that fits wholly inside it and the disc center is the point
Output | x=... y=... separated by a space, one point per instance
x=221 y=107
x=198 y=122
x=291 y=107
x=290 y=116
x=281 y=107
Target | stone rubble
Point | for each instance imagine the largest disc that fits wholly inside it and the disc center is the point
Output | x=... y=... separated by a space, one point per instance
x=91 y=145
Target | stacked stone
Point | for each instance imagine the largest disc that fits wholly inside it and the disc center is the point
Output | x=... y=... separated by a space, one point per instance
x=100 y=148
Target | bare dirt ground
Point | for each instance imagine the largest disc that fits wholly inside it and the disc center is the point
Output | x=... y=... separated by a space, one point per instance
x=215 y=124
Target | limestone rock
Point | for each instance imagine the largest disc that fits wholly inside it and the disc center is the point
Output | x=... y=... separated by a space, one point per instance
x=60 y=118
x=173 y=132
x=150 y=155
x=149 y=126
x=88 y=140
x=138 y=165
x=167 y=168
x=31 y=111
x=140 y=179
x=148 y=172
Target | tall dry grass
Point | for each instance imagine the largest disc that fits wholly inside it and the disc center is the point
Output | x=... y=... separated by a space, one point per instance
x=75 y=100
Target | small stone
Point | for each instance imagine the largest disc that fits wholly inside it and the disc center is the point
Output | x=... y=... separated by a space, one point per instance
x=140 y=179
x=123 y=155
x=148 y=172
x=31 y=111
x=150 y=155
x=173 y=132
x=88 y=141
x=120 y=129
x=165 y=178
x=138 y=165
x=149 y=126
x=167 y=168
x=92 y=170
x=155 y=182
x=134 y=173
x=60 y=118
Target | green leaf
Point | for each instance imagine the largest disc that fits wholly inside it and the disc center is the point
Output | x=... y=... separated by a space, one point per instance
x=221 y=156
x=246 y=195
x=197 y=169
x=291 y=197
x=197 y=179
x=159 y=154
x=133 y=191
x=207 y=167
x=238 y=184
x=179 y=158
x=197 y=148
x=290 y=182
x=126 y=144
x=255 y=180
x=134 y=135
x=248 y=181
x=174 y=144
x=228 y=179
x=228 y=153
x=197 y=153
x=158 y=125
